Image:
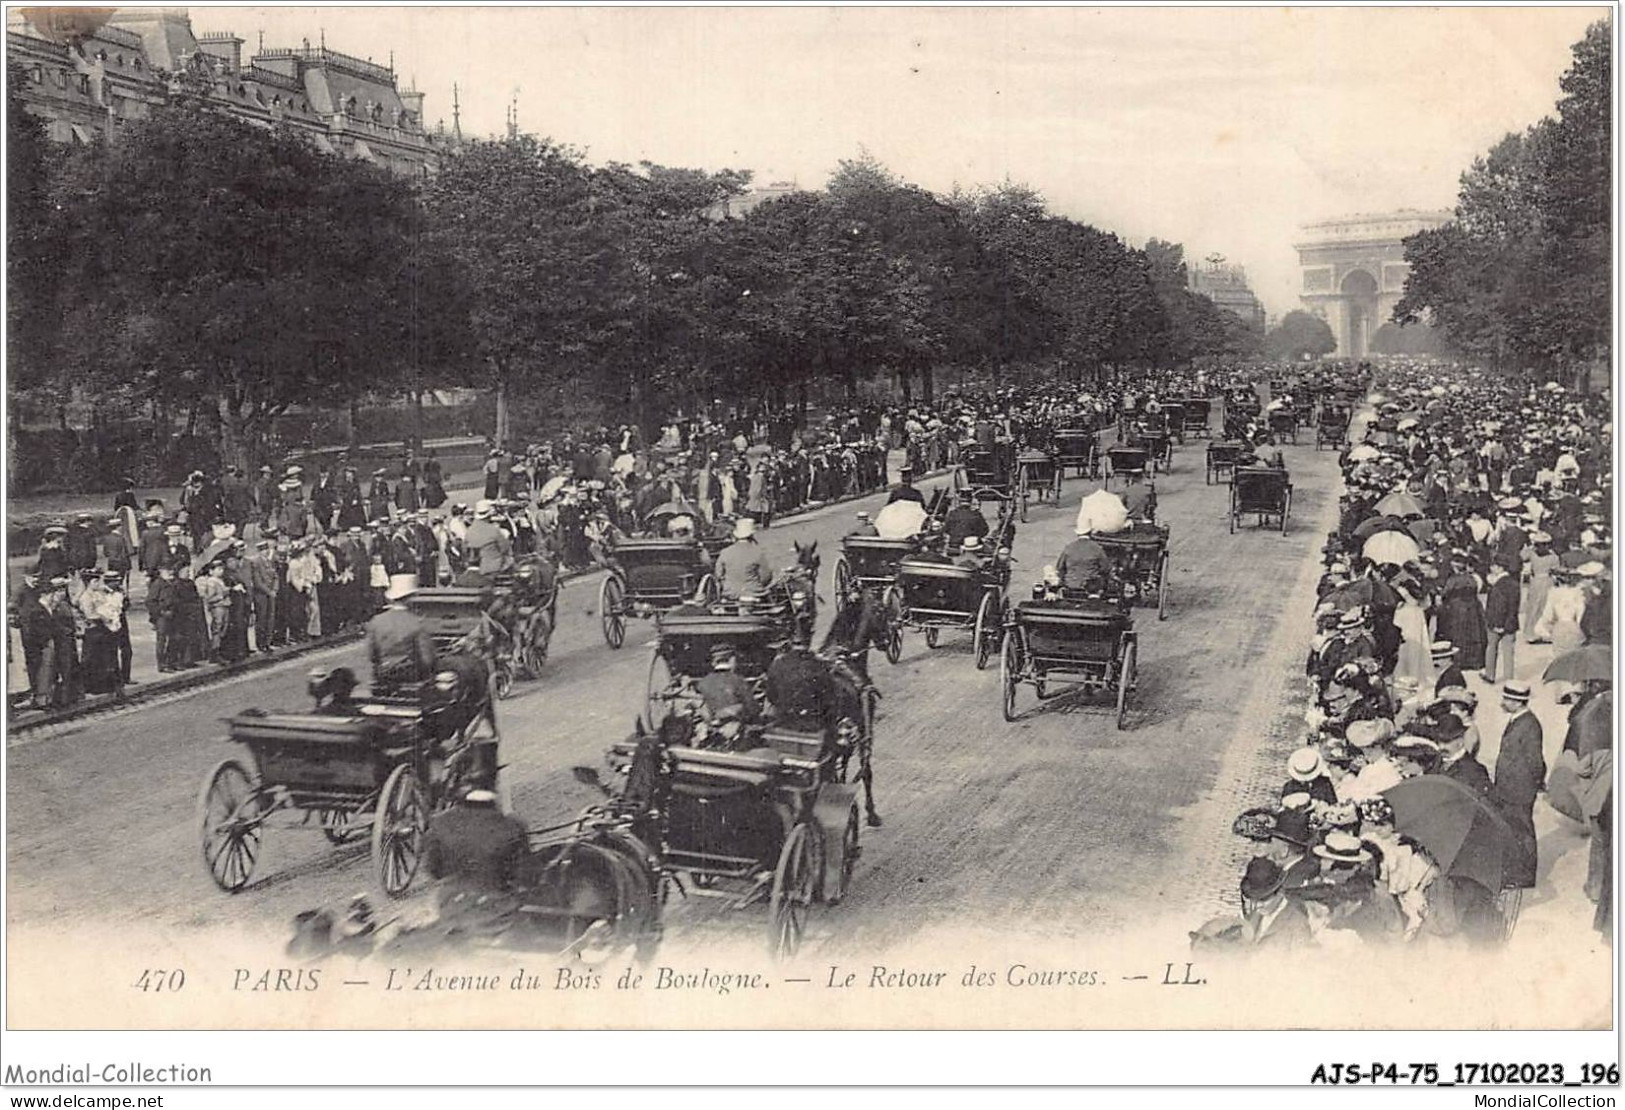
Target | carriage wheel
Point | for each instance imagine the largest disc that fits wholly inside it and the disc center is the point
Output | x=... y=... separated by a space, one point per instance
x=229 y=813
x=843 y=582
x=1125 y=677
x=398 y=827
x=987 y=631
x=1162 y=587
x=795 y=882
x=502 y=681
x=1010 y=675
x=892 y=599
x=656 y=709
x=850 y=850
x=336 y=825
x=932 y=636
x=611 y=611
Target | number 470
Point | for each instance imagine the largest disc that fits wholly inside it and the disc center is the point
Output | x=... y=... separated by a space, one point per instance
x=158 y=980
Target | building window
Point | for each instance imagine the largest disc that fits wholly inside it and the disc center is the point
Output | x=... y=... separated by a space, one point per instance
x=38 y=75
x=121 y=61
x=138 y=66
x=84 y=84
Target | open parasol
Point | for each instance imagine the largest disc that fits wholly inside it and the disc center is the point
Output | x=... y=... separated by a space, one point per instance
x=550 y=488
x=1102 y=512
x=1406 y=424
x=1365 y=452
x=1594 y=662
x=1401 y=503
x=1373 y=525
x=1397 y=548
x=900 y=520
x=1453 y=824
x=212 y=551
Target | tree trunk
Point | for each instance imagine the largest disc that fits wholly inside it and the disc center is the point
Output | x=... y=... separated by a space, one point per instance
x=905 y=378
x=502 y=411
x=234 y=435
x=352 y=415
x=928 y=383
x=417 y=418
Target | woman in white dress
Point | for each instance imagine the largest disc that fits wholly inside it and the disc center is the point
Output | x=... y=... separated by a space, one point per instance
x=1565 y=605
x=1537 y=571
x=1416 y=646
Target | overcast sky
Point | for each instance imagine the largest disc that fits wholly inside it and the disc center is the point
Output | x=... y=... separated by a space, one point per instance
x=1223 y=129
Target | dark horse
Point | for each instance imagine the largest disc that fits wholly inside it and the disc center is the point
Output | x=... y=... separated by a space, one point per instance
x=860 y=623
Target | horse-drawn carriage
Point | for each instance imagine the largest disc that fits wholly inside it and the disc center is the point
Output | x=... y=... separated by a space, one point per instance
x=1139 y=557
x=987 y=468
x=1222 y=459
x=1173 y=420
x=1077 y=642
x=1283 y=423
x=1197 y=415
x=1077 y=449
x=650 y=576
x=682 y=655
x=773 y=823
x=1333 y=429
x=871 y=563
x=930 y=596
x=1127 y=462
x=1038 y=475
x=378 y=766
x=514 y=624
x=1264 y=491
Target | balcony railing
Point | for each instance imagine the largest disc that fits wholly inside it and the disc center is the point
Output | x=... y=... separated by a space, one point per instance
x=322 y=56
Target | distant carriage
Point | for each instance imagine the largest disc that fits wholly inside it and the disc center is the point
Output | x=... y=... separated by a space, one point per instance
x=1077 y=449
x=1283 y=424
x=1173 y=415
x=1333 y=429
x=1038 y=476
x=1222 y=460
x=1265 y=492
x=932 y=596
x=648 y=577
x=1197 y=416
x=1085 y=643
x=1127 y=462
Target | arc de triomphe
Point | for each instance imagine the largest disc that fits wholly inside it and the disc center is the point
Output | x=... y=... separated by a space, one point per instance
x=1354 y=271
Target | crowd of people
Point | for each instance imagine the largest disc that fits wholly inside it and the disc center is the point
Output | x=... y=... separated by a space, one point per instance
x=1474 y=523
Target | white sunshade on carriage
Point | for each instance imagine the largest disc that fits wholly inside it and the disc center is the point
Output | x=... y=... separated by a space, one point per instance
x=900 y=520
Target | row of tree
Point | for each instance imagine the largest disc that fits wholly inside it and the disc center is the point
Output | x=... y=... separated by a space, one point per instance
x=202 y=265
x=1521 y=278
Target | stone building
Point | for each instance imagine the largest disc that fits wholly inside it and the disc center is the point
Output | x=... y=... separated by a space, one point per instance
x=1354 y=271
x=1227 y=287
x=87 y=77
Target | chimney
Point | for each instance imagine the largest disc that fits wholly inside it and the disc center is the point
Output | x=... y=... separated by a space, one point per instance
x=225 y=46
x=412 y=100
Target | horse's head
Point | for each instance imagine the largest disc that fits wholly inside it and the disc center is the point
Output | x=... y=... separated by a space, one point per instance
x=807 y=558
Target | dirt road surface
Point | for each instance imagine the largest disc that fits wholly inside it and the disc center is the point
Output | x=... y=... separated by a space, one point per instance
x=1057 y=819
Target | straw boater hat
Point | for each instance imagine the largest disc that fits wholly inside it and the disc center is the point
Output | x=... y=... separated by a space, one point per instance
x=1442 y=650
x=1342 y=847
x=1305 y=765
x=1516 y=692
x=744 y=528
x=972 y=543
x=1365 y=734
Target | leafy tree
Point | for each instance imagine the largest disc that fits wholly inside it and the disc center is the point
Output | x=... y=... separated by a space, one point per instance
x=1298 y=334
x=242 y=270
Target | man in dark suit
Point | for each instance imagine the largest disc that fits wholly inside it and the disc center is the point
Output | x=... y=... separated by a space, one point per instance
x=398 y=644
x=475 y=850
x=905 y=490
x=153 y=550
x=964 y=519
x=1501 y=606
x=1520 y=774
x=1269 y=918
x=1450 y=674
